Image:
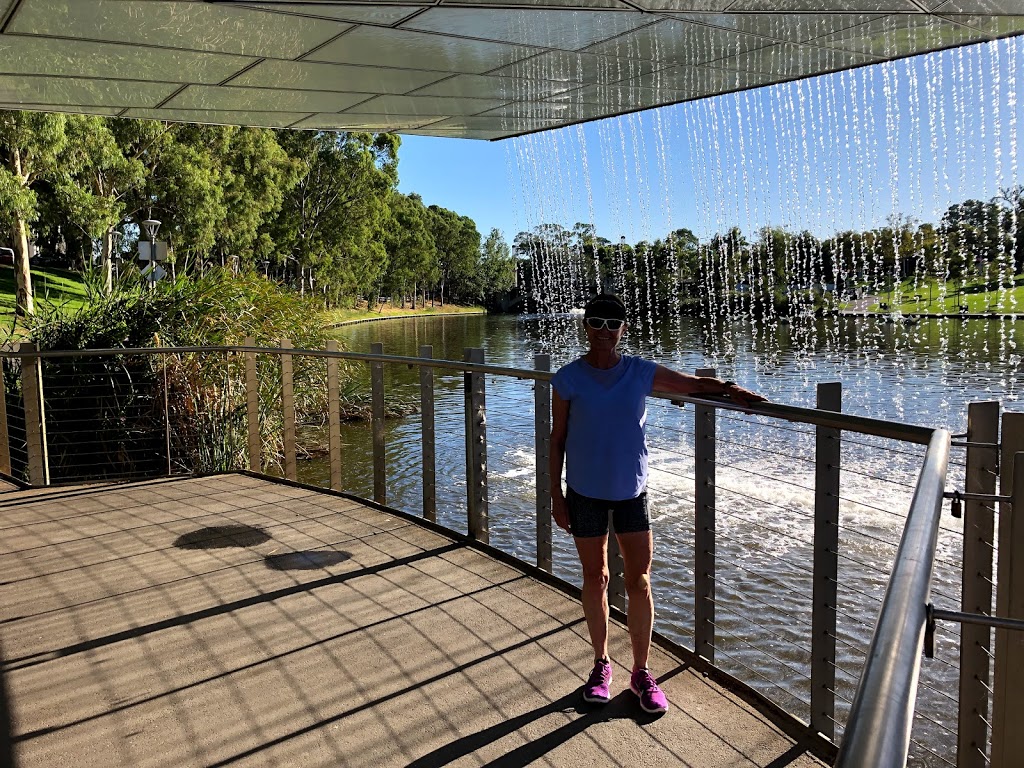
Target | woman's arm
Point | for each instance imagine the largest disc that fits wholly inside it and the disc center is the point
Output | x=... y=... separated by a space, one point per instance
x=556 y=457
x=667 y=380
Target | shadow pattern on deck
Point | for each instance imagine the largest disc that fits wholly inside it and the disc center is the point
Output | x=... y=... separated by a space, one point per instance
x=341 y=635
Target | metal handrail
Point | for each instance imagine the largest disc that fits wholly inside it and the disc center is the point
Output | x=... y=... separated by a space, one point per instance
x=910 y=433
x=878 y=728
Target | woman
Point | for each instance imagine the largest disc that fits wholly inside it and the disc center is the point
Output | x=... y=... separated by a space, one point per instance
x=599 y=414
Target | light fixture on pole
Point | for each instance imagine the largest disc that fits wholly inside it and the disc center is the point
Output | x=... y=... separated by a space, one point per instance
x=151 y=226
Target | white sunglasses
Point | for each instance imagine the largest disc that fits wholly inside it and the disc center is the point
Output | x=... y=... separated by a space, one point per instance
x=597 y=323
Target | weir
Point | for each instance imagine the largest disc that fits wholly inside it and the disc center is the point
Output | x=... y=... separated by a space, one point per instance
x=120 y=422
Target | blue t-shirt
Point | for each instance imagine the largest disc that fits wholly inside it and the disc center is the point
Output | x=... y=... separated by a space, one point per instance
x=605 y=448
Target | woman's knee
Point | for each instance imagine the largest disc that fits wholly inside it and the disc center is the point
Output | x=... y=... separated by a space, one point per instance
x=595 y=577
x=638 y=585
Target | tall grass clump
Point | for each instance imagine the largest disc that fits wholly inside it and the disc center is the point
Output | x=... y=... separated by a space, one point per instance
x=129 y=415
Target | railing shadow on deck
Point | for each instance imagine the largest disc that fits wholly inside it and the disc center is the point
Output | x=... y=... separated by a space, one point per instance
x=118 y=414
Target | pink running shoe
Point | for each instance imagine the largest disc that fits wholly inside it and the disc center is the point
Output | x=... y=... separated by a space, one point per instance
x=652 y=698
x=596 y=690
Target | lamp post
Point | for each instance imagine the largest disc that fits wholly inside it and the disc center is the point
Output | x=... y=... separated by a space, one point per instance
x=151 y=227
x=116 y=239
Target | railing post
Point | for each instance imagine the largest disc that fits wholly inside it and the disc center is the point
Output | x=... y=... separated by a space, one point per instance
x=704 y=528
x=288 y=411
x=476 y=449
x=1008 y=689
x=826 y=565
x=334 y=416
x=167 y=414
x=35 y=436
x=542 y=450
x=252 y=408
x=428 y=444
x=976 y=584
x=380 y=483
x=5 y=438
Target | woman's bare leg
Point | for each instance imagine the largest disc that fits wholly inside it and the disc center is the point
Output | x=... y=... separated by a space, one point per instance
x=593 y=551
x=637 y=552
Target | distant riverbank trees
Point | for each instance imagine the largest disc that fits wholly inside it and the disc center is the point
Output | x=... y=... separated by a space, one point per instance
x=318 y=211
x=774 y=270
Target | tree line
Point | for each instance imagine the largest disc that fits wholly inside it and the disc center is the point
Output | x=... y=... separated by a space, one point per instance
x=319 y=211
x=975 y=243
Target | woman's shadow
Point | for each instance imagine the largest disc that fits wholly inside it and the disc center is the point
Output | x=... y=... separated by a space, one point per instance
x=623 y=706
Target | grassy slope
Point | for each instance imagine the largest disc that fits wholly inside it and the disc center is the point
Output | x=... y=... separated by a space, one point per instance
x=1010 y=300
x=58 y=286
x=53 y=286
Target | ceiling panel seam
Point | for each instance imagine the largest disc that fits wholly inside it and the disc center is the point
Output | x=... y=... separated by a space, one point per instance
x=656 y=18
x=289 y=89
x=769 y=41
x=951 y=18
x=814 y=12
x=880 y=59
x=493 y=41
x=292 y=126
x=9 y=16
x=129 y=46
x=632 y=5
x=173 y=95
x=242 y=71
x=410 y=17
x=359 y=104
x=809 y=44
x=853 y=25
x=325 y=43
x=430 y=85
x=48 y=76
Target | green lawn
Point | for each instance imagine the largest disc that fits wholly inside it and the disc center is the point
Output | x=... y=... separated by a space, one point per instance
x=977 y=301
x=52 y=286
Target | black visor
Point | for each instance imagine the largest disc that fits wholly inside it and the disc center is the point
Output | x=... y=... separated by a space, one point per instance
x=606 y=305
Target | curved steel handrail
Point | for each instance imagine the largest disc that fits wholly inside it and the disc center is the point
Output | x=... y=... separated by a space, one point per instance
x=878 y=728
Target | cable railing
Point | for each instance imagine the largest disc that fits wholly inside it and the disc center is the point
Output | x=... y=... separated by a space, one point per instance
x=779 y=539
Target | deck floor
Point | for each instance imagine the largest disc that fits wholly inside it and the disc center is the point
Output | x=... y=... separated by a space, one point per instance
x=231 y=620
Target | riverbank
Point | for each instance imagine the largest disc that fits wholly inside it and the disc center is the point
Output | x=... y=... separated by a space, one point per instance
x=341 y=317
x=892 y=316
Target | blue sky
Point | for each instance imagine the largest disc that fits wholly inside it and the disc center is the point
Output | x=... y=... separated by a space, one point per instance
x=467 y=176
x=839 y=151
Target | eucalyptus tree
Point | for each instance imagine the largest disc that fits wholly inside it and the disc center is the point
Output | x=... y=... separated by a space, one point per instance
x=458 y=251
x=181 y=185
x=332 y=221
x=497 y=269
x=102 y=177
x=412 y=255
x=31 y=144
x=255 y=174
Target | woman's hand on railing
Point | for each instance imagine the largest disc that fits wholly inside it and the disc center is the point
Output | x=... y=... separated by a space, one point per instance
x=740 y=395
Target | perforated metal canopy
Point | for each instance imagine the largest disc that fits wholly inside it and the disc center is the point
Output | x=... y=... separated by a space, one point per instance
x=483 y=69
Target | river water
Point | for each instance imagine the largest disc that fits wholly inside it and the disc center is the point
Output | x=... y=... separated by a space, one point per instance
x=922 y=374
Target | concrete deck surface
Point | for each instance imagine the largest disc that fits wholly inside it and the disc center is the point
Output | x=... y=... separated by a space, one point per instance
x=235 y=621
